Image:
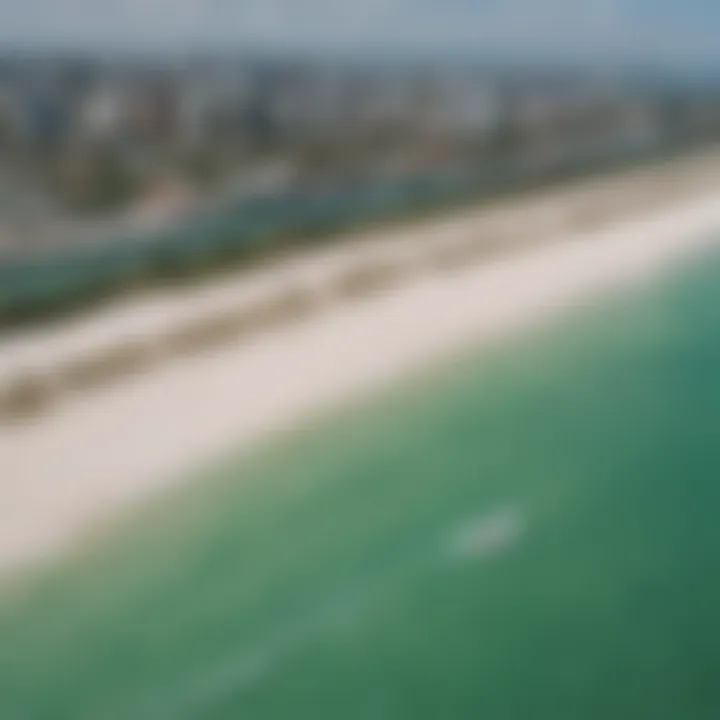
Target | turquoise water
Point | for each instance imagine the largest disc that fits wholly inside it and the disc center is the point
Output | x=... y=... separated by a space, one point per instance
x=531 y=535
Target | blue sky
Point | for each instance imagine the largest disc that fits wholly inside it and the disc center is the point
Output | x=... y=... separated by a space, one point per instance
x=671 y=31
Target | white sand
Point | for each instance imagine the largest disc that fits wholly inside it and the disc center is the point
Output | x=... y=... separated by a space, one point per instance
x=64 y=473
x=538 y=215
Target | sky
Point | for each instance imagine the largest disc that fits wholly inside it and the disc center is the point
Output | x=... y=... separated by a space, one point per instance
x=667 y=31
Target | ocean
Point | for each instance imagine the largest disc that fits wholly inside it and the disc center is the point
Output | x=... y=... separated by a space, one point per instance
x=525 y=534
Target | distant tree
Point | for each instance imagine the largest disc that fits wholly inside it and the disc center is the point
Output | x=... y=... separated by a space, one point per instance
x=506 y=140
x=104 y=181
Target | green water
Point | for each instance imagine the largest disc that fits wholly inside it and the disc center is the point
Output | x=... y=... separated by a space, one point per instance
x=532 y=535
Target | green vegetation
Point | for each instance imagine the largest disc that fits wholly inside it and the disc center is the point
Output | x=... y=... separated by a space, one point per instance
x=66 y=283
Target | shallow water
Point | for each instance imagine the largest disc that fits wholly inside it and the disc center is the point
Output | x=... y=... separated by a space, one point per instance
x=528 y=535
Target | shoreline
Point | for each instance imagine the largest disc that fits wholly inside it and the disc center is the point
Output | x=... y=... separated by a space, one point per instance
x=92 y=458
x=43 y=366
x=157 y=261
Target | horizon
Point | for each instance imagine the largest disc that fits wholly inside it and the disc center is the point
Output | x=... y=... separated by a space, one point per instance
x=666 y=34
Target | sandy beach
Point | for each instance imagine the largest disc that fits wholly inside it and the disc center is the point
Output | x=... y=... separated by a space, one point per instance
x=65 y=472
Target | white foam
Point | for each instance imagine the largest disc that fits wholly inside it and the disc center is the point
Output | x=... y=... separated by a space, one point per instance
x=488 y=535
